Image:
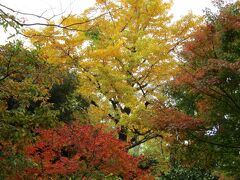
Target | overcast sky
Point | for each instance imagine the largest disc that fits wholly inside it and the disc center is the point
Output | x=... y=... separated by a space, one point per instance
x=39 y=6
x=180 y=7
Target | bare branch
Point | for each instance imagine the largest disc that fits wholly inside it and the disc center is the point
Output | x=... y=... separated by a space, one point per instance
x=145 y=139
x=23 y=24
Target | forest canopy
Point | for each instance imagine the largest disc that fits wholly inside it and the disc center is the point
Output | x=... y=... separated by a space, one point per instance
x=121 y=91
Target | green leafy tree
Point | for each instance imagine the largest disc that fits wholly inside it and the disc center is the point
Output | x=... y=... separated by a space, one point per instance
x=207 y=87
x=33 y=94
x=70 y=104
x=24 y=106
x=181 y=173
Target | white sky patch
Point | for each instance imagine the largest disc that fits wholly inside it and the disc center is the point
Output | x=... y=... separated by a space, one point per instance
x=182 y=7
x=48 y=8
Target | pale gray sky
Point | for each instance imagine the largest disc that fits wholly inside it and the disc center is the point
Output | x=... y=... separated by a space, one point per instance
x=180 y=8
x=39 y=6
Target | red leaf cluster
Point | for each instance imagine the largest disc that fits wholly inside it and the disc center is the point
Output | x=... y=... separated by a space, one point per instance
x=82 y=149
x=170 y=120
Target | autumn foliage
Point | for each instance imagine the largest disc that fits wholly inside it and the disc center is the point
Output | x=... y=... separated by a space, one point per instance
x=121 y=91
x=83 y=150
x=171 y=120
x=207 y=87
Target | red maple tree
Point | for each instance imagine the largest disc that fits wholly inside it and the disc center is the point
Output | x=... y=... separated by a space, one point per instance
x=81 y=149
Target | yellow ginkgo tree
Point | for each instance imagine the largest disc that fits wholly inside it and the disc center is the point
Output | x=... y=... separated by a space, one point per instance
x=123 y=52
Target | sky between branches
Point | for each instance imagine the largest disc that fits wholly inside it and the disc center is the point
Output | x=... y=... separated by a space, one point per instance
x=181 y=7
x=50 y=7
